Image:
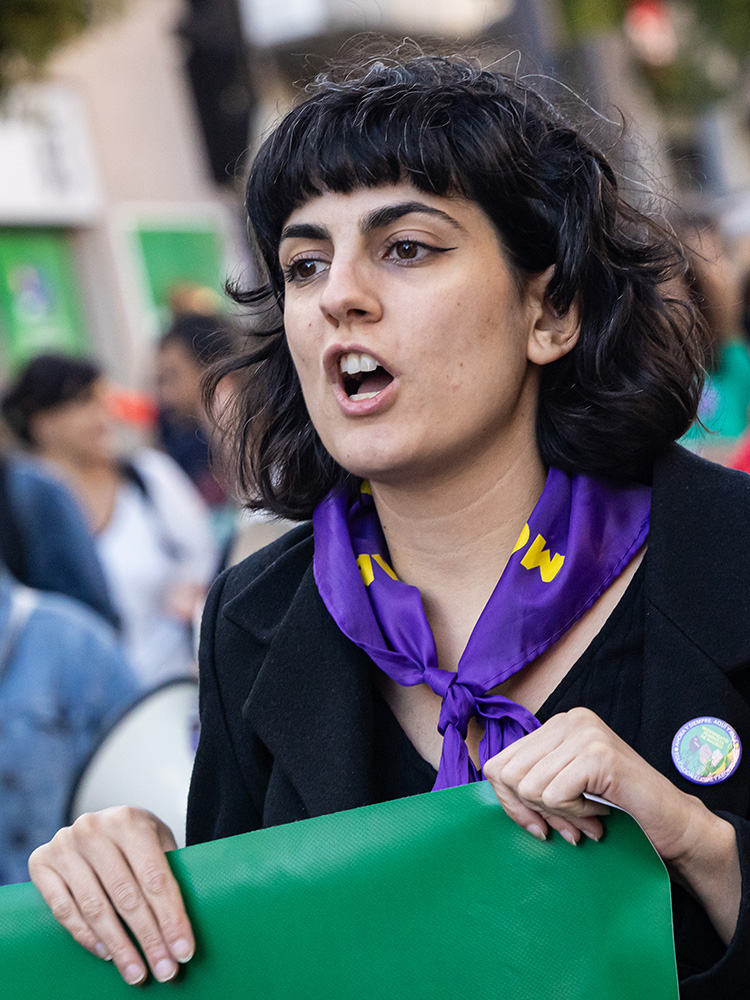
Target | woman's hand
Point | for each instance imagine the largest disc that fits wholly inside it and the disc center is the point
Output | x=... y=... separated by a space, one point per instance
x=541 y=779
x=109 y=869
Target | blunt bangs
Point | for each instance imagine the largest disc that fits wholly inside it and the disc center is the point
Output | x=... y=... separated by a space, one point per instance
x=436 y=123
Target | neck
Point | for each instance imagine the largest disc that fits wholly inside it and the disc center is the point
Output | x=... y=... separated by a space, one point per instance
x=452 y=536
x=88 y=478
x=93 y=482
x=76 y=467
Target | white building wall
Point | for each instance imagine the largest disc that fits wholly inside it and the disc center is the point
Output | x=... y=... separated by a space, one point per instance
x=130 y=74
x=151 y=163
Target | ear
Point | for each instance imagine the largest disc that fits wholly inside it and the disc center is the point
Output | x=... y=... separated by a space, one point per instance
x=551 y=335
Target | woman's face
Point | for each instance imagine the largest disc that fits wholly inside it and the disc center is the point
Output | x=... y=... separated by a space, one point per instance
x=80 y=431
x=409 y=332
x=178 y=381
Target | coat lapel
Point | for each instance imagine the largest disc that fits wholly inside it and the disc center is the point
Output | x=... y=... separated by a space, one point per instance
x=697 y=613
x=311 y=702
x=699 y=554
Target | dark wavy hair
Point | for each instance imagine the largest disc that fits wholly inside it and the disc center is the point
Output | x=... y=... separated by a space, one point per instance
x=632 y=383
x=46 y=382
x=206 y=338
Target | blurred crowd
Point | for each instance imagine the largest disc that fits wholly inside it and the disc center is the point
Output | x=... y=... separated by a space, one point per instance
x=107 y=552
x=106 y=556
x=718 y=282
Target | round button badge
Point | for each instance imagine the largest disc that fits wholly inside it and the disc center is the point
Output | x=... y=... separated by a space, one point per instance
x=706 y=750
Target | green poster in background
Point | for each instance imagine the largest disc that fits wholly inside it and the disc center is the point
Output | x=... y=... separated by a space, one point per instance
x=40 y=305
x=173 y=257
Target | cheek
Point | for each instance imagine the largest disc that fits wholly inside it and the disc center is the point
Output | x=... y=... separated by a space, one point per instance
x=69 y=434
x=302 y=359
x=304 y=350
x=88 y=432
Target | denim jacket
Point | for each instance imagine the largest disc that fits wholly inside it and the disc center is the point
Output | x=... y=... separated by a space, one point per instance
x=64 y=684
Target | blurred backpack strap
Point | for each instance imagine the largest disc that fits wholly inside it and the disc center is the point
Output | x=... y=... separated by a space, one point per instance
x=134 y=476
x=23 y=601
x=129 y=472
x=12 y=548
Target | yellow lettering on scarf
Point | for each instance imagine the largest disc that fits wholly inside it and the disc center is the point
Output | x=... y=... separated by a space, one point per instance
x=522 y=538
x=365 y=487
x=364 y=564
x=384 y=566
x=538 y=556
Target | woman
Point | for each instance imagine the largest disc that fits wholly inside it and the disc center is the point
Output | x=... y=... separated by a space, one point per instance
x=64 y=682
x=713 y=284
x=45 y=540
x=188 y=348
x=151 y=528
x=491 y=378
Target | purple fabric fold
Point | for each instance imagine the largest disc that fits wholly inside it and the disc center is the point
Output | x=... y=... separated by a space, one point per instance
x=578 y=539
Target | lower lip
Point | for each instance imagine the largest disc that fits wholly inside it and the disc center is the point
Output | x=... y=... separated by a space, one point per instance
x=364 y=407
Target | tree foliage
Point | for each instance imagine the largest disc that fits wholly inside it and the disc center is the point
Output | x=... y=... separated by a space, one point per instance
x=728 y=21
x=712 y=54
x=30 y=30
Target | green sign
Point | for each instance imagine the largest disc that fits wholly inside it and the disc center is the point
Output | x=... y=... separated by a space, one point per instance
x=40 y=306
x=428 y=897
x=177 y=257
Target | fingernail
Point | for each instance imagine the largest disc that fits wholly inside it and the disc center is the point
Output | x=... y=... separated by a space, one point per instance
x=102 y=951
x=591 y=836
x=567 y=835
x=182 y=950
x=134 y=974
x=164 y=970
x=536 y=831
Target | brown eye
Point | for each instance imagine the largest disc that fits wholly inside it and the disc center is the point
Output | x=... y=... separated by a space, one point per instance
x=407 y=250
x=305 y=268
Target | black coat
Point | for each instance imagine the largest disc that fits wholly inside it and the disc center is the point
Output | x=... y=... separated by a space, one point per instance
x=287 y=699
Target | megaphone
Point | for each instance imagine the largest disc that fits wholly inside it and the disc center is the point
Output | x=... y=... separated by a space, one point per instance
x=146 y=758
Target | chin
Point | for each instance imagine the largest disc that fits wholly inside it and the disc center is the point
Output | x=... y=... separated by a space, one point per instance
x=389 y=472
x=386 y=455
x=101 y=452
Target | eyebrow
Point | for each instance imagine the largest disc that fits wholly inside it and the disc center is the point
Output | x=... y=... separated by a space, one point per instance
x=392 y=213
x=376 y=219
x=304 y=231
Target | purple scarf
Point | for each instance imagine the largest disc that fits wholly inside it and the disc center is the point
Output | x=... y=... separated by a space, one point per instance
x=580 y=536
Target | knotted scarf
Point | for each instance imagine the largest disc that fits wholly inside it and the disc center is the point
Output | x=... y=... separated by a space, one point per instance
x=580 y=536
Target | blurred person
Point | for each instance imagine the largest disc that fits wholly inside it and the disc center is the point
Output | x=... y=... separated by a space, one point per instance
x=45 y=540
x=745 y=300
x=714 y=286
x=187 y=297
x=740 y=456
x=192 y=344
x=151 y=527
x=189 y=347
x=63 y=681
x=472 y=388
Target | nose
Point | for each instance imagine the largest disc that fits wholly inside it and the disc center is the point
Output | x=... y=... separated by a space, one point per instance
x=349 y=294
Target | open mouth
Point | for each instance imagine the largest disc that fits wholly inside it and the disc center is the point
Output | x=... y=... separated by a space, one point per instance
x=362 y=376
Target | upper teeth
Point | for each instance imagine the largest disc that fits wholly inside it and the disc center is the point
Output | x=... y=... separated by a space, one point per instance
x=353 y=364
